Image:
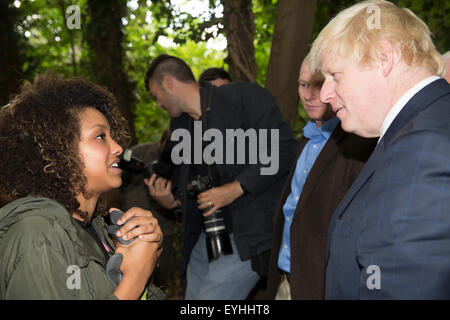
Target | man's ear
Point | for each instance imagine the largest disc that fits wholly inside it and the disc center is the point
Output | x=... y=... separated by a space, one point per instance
x=167 y=83
x=387 y=57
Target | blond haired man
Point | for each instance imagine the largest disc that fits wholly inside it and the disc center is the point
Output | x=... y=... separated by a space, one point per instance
x=389 y=238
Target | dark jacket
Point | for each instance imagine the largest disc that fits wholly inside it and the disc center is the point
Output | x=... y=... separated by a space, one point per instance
x=43 y=251
x=242 y=106
x=332 y=174
x=389 y=238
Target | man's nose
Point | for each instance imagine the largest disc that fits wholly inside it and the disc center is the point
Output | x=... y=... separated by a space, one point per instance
x=327 y=93
x=309 y=94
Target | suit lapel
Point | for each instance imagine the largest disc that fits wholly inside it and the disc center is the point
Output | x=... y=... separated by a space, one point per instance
x=363 y=176
x=365 y=173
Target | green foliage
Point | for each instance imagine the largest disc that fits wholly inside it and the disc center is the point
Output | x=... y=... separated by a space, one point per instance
x=146 y=23
x=264 y=12
x=141 y=47
x=436 y=14
x=50 y=40
x=52 y=46
x=189 y=35
x=13 y=46
x=184 y=26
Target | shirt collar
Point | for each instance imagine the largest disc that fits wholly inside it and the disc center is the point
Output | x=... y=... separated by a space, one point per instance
x=398 y=106
x=325 y=130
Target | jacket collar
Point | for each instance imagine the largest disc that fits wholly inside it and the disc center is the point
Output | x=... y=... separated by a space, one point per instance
x=86 y=248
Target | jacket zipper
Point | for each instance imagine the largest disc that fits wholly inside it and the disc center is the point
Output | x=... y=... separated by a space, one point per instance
x=91 y=290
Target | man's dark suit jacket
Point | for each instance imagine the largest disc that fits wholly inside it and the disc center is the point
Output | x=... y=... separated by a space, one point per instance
x=332 y=174
x=389 y=238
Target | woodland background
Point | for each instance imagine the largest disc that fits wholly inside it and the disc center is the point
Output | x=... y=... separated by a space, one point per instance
x=262 y=41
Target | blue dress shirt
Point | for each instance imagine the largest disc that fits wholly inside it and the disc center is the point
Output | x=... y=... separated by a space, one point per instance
x=317 y=139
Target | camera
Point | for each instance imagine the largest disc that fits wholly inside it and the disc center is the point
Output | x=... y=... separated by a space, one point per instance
x=217 y=238
x=163 y=167
x=134 y=165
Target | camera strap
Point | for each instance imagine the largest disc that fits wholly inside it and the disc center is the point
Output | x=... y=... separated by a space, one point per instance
x=213 y=172
x=205 y=104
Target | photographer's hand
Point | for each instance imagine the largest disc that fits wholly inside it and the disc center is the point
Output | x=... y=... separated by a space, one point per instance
x=160 y=190
x=219 y=197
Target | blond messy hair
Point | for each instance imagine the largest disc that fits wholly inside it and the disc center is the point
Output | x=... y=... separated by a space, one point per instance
x=317 y=75
x=355 y=34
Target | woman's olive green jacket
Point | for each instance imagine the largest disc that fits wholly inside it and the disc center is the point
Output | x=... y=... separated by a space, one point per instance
x=45 y=254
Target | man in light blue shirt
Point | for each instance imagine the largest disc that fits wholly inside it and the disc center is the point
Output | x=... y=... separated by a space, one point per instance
x=318 y=135
x=318 y=130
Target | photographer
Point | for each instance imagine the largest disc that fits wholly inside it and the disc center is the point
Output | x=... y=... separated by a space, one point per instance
x=239 y=195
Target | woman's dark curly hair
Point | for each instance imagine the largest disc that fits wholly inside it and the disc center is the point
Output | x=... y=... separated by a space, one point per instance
x=39 y=135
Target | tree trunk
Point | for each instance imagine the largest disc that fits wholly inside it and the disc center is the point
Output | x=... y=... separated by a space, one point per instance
x=290 y=44
x=11 y=53
x=104 y=37
x=239 y=27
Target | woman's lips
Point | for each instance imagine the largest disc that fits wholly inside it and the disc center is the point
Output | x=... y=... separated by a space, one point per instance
x=115 y=166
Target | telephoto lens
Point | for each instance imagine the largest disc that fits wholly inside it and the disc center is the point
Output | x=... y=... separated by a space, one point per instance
x=217 y=238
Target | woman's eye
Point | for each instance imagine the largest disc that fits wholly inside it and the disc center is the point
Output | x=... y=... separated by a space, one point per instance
x=101 y=136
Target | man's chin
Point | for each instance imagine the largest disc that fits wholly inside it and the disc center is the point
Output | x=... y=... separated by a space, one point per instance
x=345 y=126
x=353 y=130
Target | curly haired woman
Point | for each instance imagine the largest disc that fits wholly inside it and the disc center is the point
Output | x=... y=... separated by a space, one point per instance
x=59 y=147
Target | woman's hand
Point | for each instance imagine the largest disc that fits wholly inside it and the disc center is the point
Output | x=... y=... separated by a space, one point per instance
x=160 y=190
x=139 y=261
x=143 y=226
